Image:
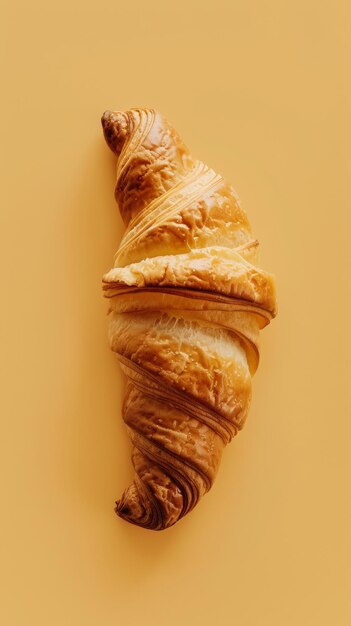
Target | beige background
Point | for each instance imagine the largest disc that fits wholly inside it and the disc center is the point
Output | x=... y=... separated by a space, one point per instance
x=259 y=90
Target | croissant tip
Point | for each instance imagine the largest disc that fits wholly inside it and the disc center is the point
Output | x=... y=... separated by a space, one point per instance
x=121 y=509
x=115 y=128
x=105 y=118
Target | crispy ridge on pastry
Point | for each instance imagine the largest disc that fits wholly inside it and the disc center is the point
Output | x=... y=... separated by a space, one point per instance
x=215 y=269
x=187 y=300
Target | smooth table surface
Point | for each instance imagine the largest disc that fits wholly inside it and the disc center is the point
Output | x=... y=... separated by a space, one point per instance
x=260 y=91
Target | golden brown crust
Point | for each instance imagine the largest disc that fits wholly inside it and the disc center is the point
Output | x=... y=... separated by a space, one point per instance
x=200 y=211
x=214 y=269
x=187 y=301
x=151 y=157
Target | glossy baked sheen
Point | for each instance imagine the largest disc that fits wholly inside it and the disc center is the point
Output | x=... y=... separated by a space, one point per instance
x=187 y=301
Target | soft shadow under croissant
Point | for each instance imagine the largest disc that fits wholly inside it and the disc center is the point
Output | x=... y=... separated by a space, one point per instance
x=187 y=301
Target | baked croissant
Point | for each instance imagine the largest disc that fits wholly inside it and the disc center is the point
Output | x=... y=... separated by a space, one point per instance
x=187 y=301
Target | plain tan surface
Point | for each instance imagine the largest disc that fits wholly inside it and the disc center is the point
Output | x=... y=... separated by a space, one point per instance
x=260 y=91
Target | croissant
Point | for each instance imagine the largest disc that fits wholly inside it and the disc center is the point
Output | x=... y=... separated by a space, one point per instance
x=186 y=304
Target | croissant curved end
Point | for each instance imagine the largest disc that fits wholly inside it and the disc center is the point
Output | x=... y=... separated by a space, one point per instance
x=136 y=508
x=115 y=124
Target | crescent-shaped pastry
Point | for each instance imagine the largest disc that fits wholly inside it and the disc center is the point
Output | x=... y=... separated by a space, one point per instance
x=187 y=302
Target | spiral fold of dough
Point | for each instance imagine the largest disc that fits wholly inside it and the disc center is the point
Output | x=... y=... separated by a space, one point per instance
x=186 y=303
